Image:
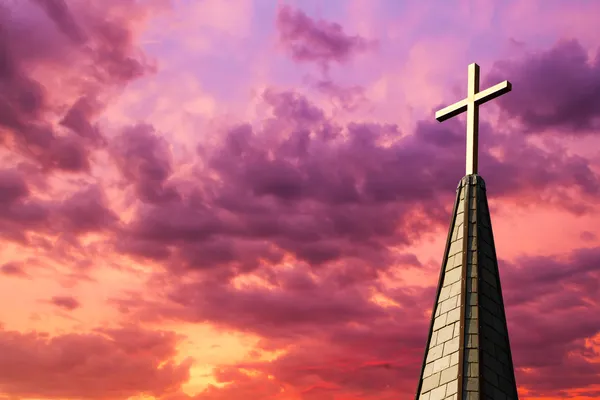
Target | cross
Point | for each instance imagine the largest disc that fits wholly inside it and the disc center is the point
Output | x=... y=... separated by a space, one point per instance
x=471 y=104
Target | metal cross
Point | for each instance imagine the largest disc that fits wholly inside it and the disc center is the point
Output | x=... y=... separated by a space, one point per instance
x=471 y=104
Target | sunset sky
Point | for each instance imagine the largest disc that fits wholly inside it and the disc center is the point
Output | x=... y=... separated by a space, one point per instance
x=249 y=199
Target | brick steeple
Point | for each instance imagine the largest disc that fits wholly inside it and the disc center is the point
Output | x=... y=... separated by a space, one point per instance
x=467 y=356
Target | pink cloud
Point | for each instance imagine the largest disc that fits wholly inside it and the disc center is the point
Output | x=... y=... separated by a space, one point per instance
x=319 y=41
x=79 y=117
x=68 y=303
x=23 y=212
x=107 y=364
x=321 y=212
x=13 y=269
x=333 y=335
x=588 y=236
x=59 y=13
x=92 y=49
x=297 y=186
x=543 y=293
x=348 y=98
x=85 y=211
x=144 y=159
x=335 y=338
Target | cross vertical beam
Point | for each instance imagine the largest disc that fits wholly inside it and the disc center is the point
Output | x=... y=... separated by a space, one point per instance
x=471 y=104
x=472 y=120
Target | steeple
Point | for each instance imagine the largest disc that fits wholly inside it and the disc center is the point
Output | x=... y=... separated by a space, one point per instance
x=468 y=356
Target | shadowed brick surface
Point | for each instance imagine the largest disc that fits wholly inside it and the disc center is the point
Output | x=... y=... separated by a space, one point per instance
x=468 y=351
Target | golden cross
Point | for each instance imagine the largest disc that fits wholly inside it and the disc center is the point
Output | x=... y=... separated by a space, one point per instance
x=471 y=104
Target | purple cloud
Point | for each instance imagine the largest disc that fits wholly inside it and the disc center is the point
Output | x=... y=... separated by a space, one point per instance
x=542 y=293
x=319 y=41
x=347 y=98
x=144 y=158
x=62 y=37
x=336 y=198
x=23 y=213
x=558 y=88
x=323 y=193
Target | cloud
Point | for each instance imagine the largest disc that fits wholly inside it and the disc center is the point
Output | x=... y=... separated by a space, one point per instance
x=20 y=212
x=85 y=211
x=61 y=61
x=332 y=335
x=68 y=303
x=278 y=311
x=299 y=184
x=144 y=159
x=13 y=269
x=348 y=98
x=289 y=228
x=106 y=364
x=588 y=236
x=23 y=212
x=554 y=89
x=319 y=41
x=335 y=339
x=60 y=14
x=542 y=293
x=315 y=212
x=78 y=119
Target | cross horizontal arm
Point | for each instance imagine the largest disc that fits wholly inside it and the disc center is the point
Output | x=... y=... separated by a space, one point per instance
x=451 y=111
x=491 y=93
